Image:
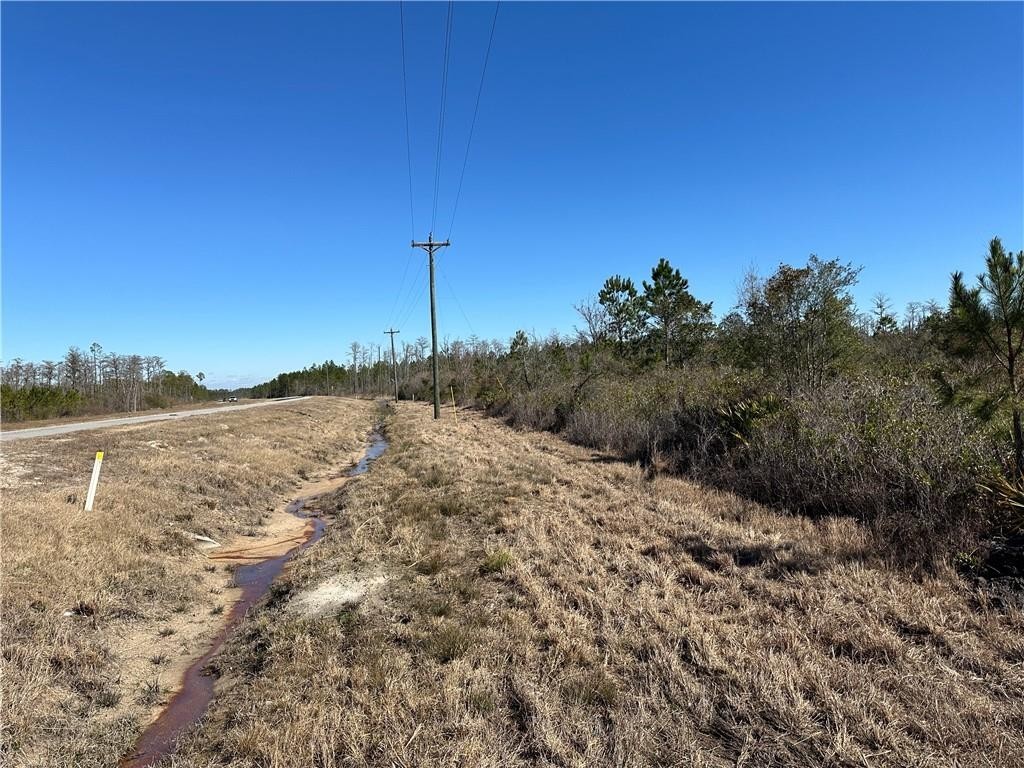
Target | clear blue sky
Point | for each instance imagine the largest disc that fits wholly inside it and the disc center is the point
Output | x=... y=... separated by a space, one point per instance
x=225 y=184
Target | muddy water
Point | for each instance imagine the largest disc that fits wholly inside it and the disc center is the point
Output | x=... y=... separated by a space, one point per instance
x=374 y=450
x=196 y=691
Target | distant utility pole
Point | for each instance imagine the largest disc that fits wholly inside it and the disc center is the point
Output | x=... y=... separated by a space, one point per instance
x=430 y=246
x=394 y=365
x=355 y=368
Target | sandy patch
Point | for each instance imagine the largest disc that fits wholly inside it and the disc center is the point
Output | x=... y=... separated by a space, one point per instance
x=336 y=594
x=185 y=637
x=167 y=646
x=282 y=532
x=288 y=527
x=12 y=474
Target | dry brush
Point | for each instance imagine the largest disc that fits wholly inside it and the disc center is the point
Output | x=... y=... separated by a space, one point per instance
x=548 y=605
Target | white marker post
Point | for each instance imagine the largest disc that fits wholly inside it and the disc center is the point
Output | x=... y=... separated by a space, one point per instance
x=94 y=482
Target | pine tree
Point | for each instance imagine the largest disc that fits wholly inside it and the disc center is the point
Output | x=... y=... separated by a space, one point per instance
x=680 y=319
x=991 y=315
x=621 y=301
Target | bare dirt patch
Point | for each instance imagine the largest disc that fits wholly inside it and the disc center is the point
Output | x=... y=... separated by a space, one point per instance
x=12 y=473
x=339 y=592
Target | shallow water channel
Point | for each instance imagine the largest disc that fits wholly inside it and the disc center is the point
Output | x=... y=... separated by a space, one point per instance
x=196 y=691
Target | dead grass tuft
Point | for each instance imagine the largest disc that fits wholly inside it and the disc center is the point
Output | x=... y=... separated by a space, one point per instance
x=151 y=692
x=430 y=564
x=595 y=687
x=448 y=642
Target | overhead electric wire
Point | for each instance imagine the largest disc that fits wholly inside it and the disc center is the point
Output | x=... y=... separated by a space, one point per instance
x=405 y=305
x=415 y=303
x=451 y=291
x=401 y=285
x=408 y=159
x=408 y=140
x=441 y=111
x=472 y=124
x=414 y=284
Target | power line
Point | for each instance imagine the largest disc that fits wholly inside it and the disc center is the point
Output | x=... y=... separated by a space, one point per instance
x=401 y=285
x=416 y=304
x=431 y=246
x=415 y=296
x=451 y=290
x=408 y=156
x=476 y=109
x=441 y=111
x=405 y=100
x=407 y=301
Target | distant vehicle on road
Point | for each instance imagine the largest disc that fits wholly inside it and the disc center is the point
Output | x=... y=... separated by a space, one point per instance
x=232 y=399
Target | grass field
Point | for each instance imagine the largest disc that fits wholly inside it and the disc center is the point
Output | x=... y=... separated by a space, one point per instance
x=485 y=597
x=501 y=598
x=141 y=599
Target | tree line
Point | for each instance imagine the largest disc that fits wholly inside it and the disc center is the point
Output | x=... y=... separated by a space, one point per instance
x=371 y=371
x=93 y=382
x=795 y=396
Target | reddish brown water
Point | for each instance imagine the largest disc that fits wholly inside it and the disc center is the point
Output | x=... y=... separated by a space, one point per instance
x=196 y=691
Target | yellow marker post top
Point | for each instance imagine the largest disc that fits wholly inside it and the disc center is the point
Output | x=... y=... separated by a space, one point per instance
x=99 y=455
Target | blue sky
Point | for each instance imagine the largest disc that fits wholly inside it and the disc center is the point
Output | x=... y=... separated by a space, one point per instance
x=225 y=185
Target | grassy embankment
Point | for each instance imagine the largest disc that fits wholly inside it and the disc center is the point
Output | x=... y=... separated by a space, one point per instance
x=546 y=605
x=78 y=688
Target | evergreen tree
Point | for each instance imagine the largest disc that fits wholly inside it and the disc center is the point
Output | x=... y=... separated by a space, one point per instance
x=621 y=301
x=989 y=318
x=681 y=321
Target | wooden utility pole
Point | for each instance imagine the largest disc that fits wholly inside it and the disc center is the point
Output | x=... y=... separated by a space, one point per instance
x=394 y=364
x=355 y=368
x=430 y=246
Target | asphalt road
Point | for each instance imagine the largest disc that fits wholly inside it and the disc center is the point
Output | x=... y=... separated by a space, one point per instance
x=63 y=429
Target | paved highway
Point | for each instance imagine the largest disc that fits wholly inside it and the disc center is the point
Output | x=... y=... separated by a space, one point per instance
x=63 y=429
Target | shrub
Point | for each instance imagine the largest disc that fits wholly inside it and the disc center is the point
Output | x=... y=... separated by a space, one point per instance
x=155 y=400
x=38 y=403
x=878 y=450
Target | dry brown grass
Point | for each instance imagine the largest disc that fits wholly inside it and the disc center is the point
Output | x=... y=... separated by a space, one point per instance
x=77 y=689
x=548 y=606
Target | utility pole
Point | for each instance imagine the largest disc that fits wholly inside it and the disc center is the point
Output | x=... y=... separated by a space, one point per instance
x=355 y=368
x=430 y=246
x=394 y=365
